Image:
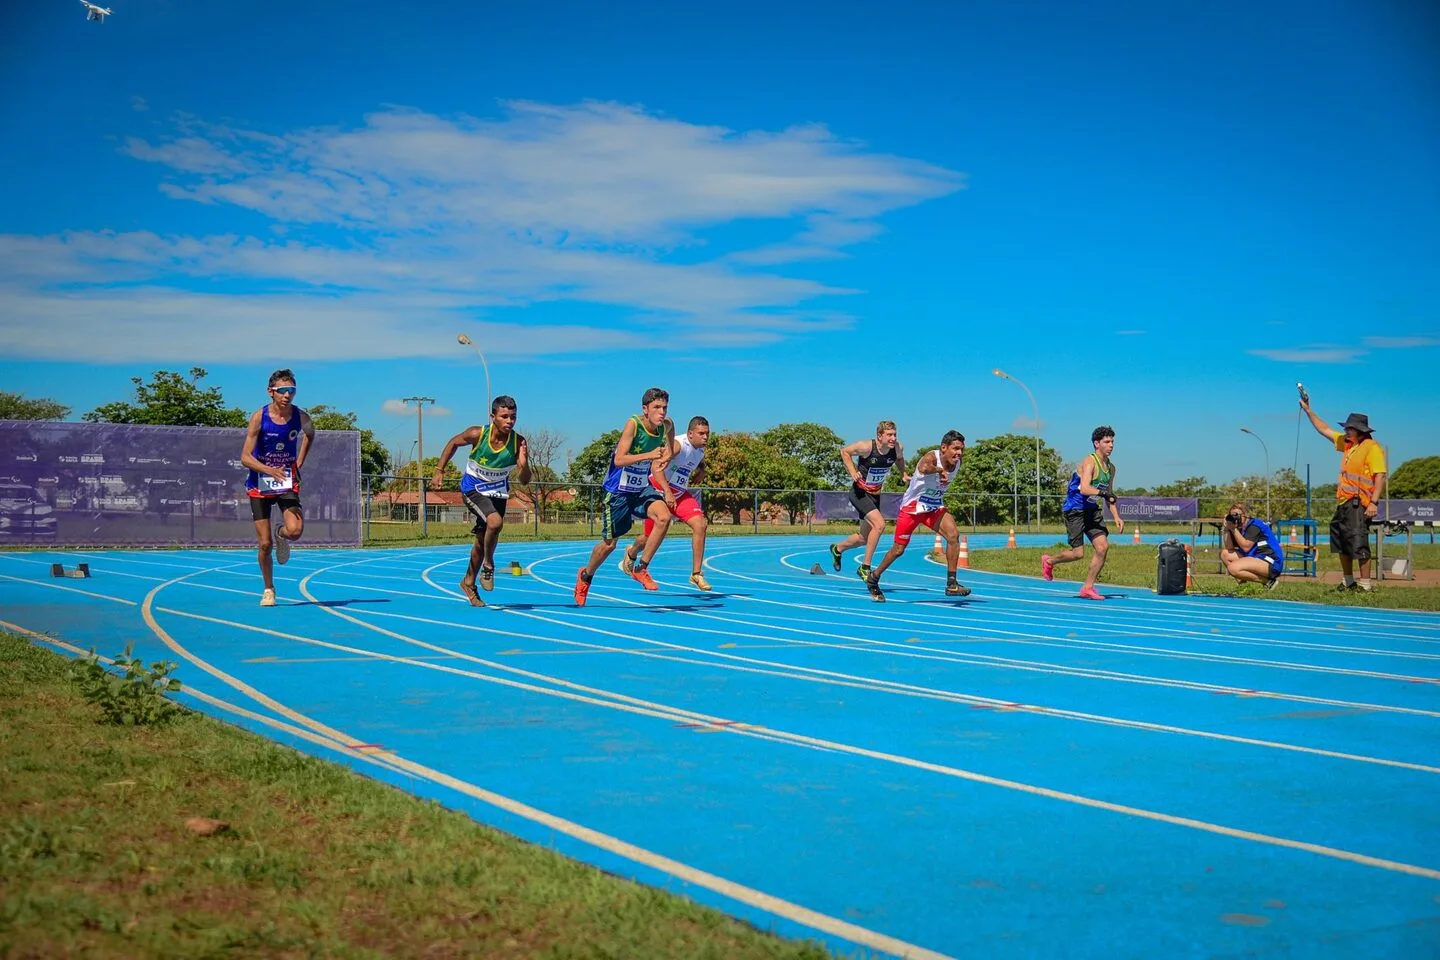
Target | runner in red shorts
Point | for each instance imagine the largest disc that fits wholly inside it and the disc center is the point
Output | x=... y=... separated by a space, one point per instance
x=673 y=475
x=923 y=504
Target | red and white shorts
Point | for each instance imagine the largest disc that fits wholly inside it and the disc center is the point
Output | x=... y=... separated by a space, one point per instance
x=686 y=506
x=906 y=522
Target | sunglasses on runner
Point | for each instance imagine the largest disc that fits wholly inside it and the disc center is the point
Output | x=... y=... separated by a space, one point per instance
x=288 y=391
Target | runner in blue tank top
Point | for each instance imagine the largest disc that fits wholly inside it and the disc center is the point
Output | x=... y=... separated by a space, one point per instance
x=1093 y=477
x=276 y=443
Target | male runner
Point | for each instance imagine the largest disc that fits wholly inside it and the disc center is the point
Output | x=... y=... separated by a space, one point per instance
x=497 y=452
x=923 y=503
x=1093 y=477
x=629 y=494
x=869 y=462
x=673 y=475
x=276 y=442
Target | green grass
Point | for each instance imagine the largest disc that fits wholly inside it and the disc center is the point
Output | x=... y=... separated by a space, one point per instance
x=95 y=859
x=1135 y=566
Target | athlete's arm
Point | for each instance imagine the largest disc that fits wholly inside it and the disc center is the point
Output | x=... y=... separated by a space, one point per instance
x=1086 y=472
x=627 y=438
x=247 y=456
x=930 y=463
x=1110 y=498
x=848 y=455
x=1323 y=428
x=1242 y=544
x=900 y=459
x=307 y=437
x=468 y=437
x=658 y=468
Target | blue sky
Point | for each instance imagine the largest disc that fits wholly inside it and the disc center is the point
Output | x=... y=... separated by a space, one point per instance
x=1157 y=216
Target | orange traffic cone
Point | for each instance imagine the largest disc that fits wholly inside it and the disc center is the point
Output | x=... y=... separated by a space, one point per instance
x=1294 y=536
x=1136 y=539
x=964 y=553
x=1189 y=569
x=1011 y=543
x=939 y=544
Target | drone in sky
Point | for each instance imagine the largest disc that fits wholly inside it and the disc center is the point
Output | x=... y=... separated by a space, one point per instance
x=94 y=11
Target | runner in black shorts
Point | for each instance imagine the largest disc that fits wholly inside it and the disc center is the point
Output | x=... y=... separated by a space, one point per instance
x=869 y=462
x=276 y=442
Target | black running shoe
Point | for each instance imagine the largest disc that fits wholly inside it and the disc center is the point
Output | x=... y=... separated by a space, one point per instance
x=864 y=571
x=954 y=589
x=835 y=558
x=873 y=586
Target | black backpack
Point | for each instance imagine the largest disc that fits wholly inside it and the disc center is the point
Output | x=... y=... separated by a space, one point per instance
x=1170 y=568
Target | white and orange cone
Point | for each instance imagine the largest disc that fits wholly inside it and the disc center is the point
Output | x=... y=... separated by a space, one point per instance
x=1136 y=539
x=1011 y=543
x=1189 y=569
x=964 y=553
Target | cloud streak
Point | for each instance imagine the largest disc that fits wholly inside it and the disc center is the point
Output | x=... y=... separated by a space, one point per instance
x=411 y=221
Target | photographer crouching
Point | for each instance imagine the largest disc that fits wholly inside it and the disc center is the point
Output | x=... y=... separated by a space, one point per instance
x=1250 y=550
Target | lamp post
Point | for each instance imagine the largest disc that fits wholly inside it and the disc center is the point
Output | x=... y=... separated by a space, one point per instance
x=1036 y=407
x=466 y=341
x=1269 y=517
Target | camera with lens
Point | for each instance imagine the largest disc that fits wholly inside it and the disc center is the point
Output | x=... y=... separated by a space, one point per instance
x=1235 y=518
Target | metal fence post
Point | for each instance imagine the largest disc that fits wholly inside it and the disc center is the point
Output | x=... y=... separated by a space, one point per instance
x=755 y=513
x=810 y=515
x=590 y=492
x=368 y=496
x=424 y=515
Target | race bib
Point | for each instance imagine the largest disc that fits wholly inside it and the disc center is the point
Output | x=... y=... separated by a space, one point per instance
x=876 y=475
x=269 y=484
x=679 y=477
x=492 y=483
x=634 y=478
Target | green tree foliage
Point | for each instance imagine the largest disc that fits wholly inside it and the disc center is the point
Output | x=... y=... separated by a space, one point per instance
x=1417 y=479
x=171 y=400
x=15 y=406
x=815 y=447
x=994 y=469
x=746 y=461
x=374 y=458
x=1188 y=487
x=405 y=476
x=592 y=463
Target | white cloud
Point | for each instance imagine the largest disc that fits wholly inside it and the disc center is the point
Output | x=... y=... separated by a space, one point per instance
x=1320 y=353
x=1026 y=424
x=1130 y=333
x=402 y=409
x=1400 y=343
x=138 y=104
x=412 y=221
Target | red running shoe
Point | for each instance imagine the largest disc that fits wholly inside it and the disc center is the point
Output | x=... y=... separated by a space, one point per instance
x=582 y=588
x=1090 y=593
x=1047 y=567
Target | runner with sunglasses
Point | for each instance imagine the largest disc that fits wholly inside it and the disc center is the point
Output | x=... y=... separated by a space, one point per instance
x=276 y=442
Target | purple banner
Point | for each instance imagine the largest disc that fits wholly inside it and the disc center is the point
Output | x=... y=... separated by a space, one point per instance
x=834 y=505
x=1414 y=510
x=77 y=484
x=1158 y=509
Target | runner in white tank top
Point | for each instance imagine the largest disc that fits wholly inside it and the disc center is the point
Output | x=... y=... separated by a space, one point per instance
x=674 y=475
x=923 y=503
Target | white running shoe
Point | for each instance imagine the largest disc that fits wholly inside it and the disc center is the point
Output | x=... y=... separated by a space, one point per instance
x=267 y=599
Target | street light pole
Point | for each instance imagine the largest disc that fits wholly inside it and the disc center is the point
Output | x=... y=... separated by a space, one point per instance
x=420 y=446
x=1269 y=516
x=1036 y=407
x=466 y=341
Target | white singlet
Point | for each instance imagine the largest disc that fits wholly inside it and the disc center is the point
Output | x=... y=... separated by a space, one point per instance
x=926 y=491
x=678 y=473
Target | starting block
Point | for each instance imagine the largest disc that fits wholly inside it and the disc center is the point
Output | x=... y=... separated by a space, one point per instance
x=81 y=571
x=815 y=571
x=515 y=568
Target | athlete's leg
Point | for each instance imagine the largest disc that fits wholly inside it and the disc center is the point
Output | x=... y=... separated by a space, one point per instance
x=293 y=523
x=1101 y=543
x=698 y=526
x=874 y=526
x=266 y=545
x=660 y=515
x=493 y=525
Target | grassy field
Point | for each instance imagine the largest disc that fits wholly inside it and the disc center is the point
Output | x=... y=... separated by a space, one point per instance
x=1135 y=566
x=96 y=859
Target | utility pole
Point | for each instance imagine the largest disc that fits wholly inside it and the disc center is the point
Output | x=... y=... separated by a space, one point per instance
x=420 y=447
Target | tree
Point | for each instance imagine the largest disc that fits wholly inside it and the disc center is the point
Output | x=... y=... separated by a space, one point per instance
x=593 y=463
x=14 y=406
x=739 y=463
x=1188 y=487
x=406 y=476
x=815 y=447
x=1001 y=470
x=374 y=458
x=1417 y=479
x=543 y=448
x=171 y=400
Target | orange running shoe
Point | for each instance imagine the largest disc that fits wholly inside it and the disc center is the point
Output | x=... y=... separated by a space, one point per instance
x=643 y=576
x=1090 y=593
x=582 y=588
